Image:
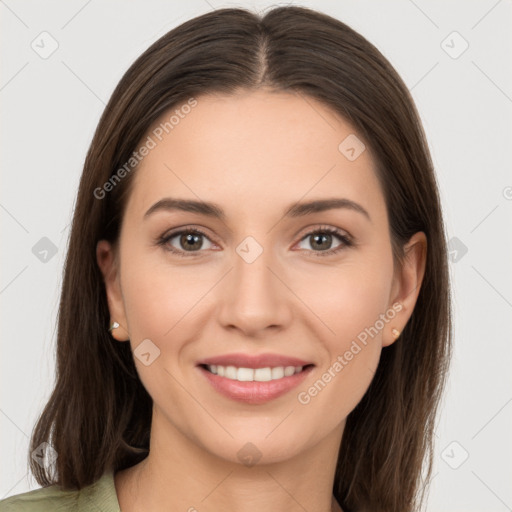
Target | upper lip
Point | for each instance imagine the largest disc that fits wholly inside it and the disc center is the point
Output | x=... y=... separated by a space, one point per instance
x=254 y=361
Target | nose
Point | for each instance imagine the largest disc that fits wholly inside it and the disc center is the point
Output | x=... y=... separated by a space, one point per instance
x=254 y=296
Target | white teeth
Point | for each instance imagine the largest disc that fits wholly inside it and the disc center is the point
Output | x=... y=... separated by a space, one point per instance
x=230 y=372
x=289 y=370
x=278 y=373
x=244 y=374
x=254 y=374
x=262 y=374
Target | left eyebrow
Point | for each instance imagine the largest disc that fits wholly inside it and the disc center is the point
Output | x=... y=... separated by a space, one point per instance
x=214 y=210
x=301 y=209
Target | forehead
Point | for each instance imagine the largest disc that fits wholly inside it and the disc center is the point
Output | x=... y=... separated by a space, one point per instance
x=255 y=148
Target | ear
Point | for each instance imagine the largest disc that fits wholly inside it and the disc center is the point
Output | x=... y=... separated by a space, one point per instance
x=107 y=258
x=406 y=286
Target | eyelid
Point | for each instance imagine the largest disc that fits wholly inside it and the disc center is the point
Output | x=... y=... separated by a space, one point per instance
x=345 y=238
x=314 y=228
x=164 y=239
x=185 y=229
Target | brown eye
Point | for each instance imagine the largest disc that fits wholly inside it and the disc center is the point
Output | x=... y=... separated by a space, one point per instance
x=190 y=241
x=185 y=241
x=321 y=241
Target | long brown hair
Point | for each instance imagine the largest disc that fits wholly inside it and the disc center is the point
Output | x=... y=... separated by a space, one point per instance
x=99 y=414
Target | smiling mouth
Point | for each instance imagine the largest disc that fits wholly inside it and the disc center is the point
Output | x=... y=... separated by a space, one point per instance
x=265 y=374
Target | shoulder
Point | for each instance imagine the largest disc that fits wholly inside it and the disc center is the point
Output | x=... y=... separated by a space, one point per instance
x=99 y=496
x=46 y=498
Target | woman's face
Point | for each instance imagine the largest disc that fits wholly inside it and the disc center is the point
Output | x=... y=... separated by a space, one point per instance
x=265 y=283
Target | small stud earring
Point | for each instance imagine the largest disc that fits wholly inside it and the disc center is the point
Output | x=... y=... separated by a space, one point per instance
x=395 y=332
x=113 y=325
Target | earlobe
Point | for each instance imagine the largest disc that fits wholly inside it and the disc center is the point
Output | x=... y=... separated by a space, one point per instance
x=407 y=285
x=108 y=264
x=118 y=332
x=395 y=332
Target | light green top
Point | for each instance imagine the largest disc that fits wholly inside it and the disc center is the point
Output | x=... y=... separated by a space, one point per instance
x=98 y=497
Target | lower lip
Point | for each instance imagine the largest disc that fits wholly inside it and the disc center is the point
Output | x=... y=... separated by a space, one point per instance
x=254 y=392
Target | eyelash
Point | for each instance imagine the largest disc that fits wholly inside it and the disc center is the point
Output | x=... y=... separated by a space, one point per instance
x=346 y=241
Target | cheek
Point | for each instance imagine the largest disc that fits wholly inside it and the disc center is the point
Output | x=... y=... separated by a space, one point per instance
x=345 y=298
x=159 y=295
x=353 y=307
x=353 y=312
x=338 y=299
x=159 y=305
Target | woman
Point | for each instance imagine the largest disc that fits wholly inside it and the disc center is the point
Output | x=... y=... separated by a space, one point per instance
x=255 y=309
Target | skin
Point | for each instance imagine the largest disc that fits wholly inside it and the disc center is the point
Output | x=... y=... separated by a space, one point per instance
x=254 y=154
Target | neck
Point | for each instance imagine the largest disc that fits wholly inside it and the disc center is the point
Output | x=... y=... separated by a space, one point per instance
x=180 y=475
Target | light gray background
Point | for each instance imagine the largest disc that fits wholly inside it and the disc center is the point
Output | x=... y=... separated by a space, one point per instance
x=50 y=109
